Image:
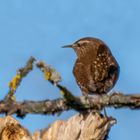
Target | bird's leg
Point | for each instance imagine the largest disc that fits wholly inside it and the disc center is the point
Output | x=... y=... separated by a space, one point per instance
x=87 y=100
x=85 y=95
x=104 y=110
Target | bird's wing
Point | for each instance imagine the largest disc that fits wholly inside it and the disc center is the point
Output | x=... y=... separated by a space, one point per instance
x=104 y=71
x=110 y=69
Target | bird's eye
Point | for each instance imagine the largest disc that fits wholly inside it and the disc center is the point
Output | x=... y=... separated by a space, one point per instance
x=82 y=44
x=78 y=45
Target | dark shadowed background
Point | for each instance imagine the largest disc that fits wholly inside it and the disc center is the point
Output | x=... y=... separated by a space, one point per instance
x=40 y=28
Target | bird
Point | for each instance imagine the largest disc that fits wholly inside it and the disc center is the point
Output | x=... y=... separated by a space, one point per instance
x=96 y=70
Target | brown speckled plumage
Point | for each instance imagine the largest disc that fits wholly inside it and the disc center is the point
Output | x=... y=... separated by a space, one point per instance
x=96 y=70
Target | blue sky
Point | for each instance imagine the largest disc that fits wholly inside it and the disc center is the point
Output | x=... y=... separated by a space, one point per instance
x=40 y=28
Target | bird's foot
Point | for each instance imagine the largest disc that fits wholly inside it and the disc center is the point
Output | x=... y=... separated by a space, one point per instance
x=112 y=94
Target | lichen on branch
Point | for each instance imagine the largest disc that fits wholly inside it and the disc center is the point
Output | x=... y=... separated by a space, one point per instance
x=16 y=80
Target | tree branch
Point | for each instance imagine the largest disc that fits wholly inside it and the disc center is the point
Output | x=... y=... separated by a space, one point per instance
x=80 y=104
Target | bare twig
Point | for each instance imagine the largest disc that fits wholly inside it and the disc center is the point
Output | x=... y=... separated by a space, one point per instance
x=54 y=78
x=50 y=73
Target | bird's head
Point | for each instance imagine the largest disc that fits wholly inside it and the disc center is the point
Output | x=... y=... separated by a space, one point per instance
x=84 y=46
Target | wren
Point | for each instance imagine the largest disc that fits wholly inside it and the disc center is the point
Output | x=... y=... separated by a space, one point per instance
x=96 y=70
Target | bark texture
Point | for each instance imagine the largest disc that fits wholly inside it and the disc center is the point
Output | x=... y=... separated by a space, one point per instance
x=90 y=126
x=10 y=129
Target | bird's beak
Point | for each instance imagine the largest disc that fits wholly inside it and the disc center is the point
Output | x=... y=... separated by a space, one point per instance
x=67 y=46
